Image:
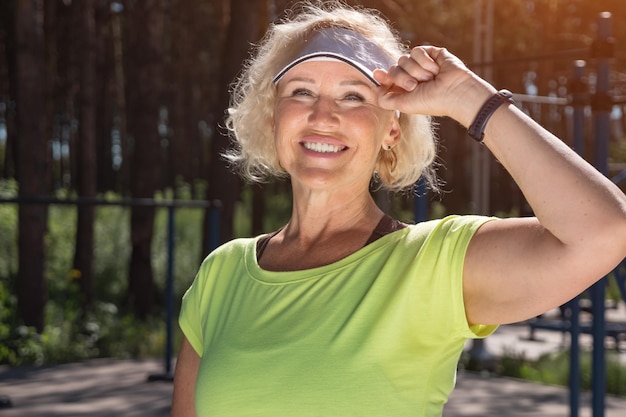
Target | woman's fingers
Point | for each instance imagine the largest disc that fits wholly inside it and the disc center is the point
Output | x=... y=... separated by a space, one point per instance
x=402 y=84
x=393 y=95
x=413 y=68
x=426 y=65
x=425 y=81
x=387 y=84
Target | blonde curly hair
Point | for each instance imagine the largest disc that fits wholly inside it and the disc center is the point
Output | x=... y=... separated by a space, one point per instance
x=251 y=111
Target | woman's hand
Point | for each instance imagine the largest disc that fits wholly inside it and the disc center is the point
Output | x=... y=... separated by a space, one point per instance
x=431 y=80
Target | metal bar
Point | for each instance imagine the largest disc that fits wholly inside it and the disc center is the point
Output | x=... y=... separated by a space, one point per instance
x=169 y=290
x=526 y=98
x=574 y=328
x=598 y=290
x=579 y=109
x=620 y=279
x=125 y=202
x=619 y=177
x=214 y=232
x=574 y=358
x=617 y=166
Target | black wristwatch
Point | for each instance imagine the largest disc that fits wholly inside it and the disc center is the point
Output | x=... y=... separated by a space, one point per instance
x=477 y=129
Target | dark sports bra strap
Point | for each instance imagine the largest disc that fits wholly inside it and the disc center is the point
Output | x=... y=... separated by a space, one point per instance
x=385 y=226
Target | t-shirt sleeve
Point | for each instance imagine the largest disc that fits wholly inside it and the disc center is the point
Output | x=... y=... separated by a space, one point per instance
x=475 y=331
x=203 y=297
x=457 y=232
x=189 y=320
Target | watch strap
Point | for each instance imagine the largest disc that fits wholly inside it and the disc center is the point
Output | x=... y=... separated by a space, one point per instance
x=477 y=129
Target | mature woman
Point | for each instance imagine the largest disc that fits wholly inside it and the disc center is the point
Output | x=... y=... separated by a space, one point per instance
x=345 y=311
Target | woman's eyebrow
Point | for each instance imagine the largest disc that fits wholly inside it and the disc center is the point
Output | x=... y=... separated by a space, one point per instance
x=300 y=79
x=356 y=82
x=349 y=82
x=284 y=84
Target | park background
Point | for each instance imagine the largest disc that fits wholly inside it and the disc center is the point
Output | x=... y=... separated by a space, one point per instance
x=109 y=102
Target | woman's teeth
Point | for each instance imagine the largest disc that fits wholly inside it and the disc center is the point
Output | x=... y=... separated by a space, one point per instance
x=322 y=147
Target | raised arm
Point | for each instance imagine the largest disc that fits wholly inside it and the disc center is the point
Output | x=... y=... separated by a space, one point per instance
x=518 y=268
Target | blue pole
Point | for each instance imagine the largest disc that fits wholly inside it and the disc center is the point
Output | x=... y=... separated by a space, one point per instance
x=574 y=358
x=579 y=100
x=169 y=291
x=214 y=224
x=420 y=202
x=169 y=300
x=215 y=208
x=601 y=111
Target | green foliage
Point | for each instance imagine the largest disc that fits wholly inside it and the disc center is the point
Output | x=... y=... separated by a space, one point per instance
x=106 y=330
x=8 y=230
x=187 y=247
x=71 y=336
x=59 y=243
x=103 y=332
x=112 y=249
x=553 y=369
x=16 y=342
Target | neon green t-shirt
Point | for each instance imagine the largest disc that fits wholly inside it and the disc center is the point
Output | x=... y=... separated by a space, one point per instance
x=378 y=333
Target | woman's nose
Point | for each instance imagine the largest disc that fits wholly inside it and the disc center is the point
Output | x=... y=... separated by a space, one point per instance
x=324 y=110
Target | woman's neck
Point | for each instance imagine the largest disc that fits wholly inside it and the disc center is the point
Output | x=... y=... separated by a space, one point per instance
x=319 y=234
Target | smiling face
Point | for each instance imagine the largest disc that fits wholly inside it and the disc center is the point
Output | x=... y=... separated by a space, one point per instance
x=328 y=126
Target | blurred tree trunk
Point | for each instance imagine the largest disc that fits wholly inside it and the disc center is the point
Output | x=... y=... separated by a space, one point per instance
x=120 y=123
x=86 y=149
x=145 y=63
x=211 y=17
x=180 y=68
x=105 y=103
x=32 y=164
x=7 y=29
x=191 y=74
x=248 y=21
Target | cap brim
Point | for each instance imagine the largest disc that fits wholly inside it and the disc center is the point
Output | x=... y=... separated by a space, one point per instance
x=342 y=45
x=327 y=56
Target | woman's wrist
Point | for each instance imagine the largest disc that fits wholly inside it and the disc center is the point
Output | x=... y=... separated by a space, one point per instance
x=477 y=129
x=469 y=99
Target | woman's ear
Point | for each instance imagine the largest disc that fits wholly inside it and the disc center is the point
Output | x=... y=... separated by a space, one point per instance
x=392 y=137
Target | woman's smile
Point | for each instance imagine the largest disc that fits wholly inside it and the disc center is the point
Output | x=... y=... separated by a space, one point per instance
x=319 y=147
x=323 y=146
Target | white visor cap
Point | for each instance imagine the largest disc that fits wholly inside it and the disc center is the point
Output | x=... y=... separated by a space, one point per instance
x=343 y=45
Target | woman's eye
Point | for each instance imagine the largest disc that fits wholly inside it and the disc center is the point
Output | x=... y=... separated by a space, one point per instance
x=301 y=92
x=354 y=97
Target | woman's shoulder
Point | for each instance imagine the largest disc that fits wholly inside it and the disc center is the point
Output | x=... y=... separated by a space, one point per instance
x=448 y=225
x=452 y=220
x=223 y=261
x=237 y=246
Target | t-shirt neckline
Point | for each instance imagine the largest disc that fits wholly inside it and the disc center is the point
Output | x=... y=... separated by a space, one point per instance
x=283 y=277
